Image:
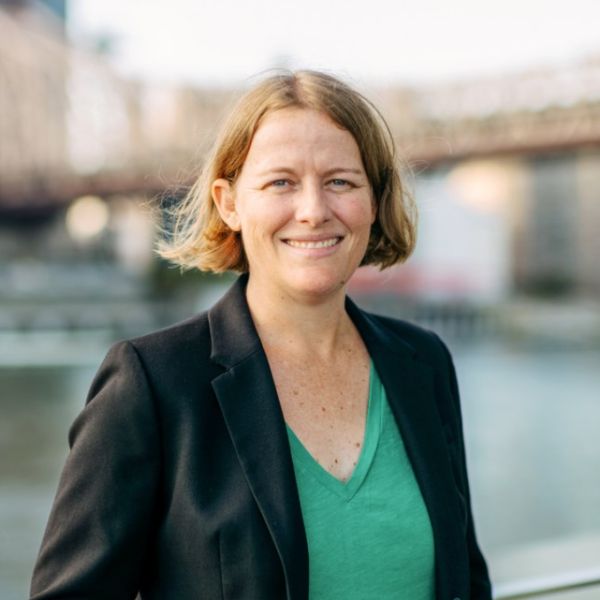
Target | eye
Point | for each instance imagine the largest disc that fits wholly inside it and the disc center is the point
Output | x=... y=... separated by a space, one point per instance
x=338 y=182
x=281 y=185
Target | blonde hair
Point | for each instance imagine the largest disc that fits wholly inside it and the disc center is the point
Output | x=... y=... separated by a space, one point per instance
x=201 y=239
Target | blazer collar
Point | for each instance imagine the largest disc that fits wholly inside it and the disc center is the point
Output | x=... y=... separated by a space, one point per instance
x=233 y=334
x=248 y=399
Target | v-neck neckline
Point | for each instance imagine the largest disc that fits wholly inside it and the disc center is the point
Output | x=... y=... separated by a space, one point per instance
x=372 y=432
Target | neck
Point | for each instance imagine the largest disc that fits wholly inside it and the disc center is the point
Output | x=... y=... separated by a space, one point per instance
x=300 y=326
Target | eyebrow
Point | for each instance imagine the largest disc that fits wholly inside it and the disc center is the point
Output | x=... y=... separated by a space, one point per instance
x=343 y=170
x=325 y=174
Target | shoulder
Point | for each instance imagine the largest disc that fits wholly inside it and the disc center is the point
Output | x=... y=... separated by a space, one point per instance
x=425 y=345
x=190 y=335
x=169 y=358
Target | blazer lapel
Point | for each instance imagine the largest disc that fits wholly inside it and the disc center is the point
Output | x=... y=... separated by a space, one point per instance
x=409 y=386
x=248 y=400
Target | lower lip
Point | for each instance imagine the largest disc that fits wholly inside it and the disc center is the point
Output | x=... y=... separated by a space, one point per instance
x=315 y=252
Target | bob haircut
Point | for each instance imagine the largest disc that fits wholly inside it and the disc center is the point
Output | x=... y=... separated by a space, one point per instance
x=201 y=239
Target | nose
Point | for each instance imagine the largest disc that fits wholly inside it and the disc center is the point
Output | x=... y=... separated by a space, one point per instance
x=312 y=205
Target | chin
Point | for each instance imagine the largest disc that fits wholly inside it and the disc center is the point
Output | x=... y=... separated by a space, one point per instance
x=319 y=285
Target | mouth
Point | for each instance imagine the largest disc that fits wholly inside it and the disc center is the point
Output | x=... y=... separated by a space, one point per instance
x=314 y=244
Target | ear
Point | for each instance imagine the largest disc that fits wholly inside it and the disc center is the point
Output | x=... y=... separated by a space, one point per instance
x=224 y=198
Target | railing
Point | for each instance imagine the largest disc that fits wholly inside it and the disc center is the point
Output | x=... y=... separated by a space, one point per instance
x=546 y=586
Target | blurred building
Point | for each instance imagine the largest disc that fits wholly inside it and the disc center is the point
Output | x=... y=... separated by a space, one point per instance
x=33 y=94
x=506 y=181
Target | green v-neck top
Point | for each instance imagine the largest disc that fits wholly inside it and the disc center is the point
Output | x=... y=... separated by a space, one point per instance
x=368 y=537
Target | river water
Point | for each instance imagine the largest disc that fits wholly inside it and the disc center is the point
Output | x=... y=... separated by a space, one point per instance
x=531 y=418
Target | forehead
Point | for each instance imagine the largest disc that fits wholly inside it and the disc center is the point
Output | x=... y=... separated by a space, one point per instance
x=301 y=134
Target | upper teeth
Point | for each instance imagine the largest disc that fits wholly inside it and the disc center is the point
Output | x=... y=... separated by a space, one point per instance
x=319 y=244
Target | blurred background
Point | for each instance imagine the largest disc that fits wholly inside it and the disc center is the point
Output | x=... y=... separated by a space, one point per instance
x=106 y=109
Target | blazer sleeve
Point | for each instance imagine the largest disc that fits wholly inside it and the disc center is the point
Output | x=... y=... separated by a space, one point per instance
x=101 y=520
x=479 y=576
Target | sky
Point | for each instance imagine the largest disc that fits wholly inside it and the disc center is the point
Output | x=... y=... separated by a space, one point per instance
x=220 y=42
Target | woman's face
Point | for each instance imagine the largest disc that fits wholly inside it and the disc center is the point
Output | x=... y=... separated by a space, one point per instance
x=303 y=204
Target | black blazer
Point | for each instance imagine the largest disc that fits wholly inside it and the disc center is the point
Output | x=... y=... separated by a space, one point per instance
x=180 y=483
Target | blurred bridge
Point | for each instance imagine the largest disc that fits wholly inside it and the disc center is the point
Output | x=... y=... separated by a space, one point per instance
x=69 y=125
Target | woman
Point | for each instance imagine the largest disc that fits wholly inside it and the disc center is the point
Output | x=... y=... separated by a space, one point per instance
x=285 y=444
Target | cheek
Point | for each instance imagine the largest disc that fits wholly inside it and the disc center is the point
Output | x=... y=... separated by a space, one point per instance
x=361 y=214
x=253 y=212
x=261 y=222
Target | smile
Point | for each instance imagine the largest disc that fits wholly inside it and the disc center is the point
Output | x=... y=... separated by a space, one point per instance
x=328 y=243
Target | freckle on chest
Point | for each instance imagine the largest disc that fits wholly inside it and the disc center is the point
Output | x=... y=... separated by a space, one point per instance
x=325 y=404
